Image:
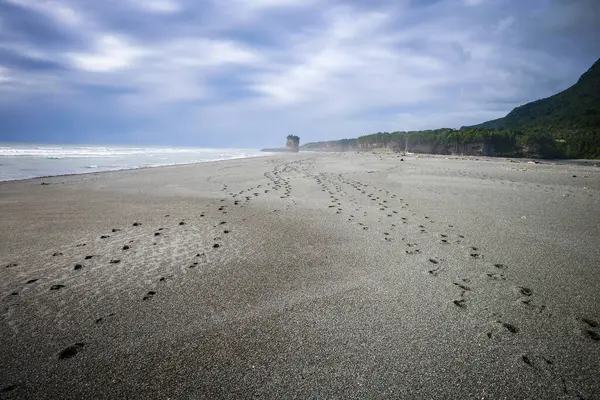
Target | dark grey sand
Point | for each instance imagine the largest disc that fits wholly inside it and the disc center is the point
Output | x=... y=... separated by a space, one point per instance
x=304 y=276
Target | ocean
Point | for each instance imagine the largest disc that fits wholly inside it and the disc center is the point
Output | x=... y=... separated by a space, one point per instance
x=23 y=161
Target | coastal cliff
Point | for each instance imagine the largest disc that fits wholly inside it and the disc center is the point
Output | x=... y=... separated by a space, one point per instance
x=566 y=125
x=292 y=145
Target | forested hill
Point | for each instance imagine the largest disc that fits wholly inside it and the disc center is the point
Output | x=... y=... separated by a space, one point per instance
x=578 y=106
x=566 y=125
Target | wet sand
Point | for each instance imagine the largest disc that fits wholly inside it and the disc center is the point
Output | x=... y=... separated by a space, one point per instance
x=304 y=276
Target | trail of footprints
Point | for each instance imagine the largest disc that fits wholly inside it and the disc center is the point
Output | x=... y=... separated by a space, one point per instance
x=64 y=269
x=402 y=228
x=393 y=212
x=122 y=242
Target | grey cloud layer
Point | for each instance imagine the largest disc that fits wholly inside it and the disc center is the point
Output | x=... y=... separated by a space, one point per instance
x=328 y=68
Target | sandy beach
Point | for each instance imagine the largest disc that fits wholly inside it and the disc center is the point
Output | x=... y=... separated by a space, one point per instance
x=306 y=275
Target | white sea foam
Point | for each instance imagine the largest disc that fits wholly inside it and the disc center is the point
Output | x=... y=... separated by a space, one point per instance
x=28 y=161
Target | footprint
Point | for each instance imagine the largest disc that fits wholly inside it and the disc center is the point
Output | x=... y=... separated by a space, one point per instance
x=70 y=351
x=510 y=327
x=77 y=267
x=56 y=287
x=434 y=272
x=31 y=281
x=13 y=386
x=149 y=295
x=590 y=322
x=57 y=254
x=525 y=291
x=463 y=287
x=88 y=257
x=497 y=277
x=527 y=360
x=462 y=303
x=592 y=335
x=102 y=319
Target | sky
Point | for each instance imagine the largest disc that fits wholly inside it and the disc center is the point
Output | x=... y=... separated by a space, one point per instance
x=246 y=73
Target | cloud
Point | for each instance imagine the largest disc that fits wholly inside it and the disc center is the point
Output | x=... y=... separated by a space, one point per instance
x=158 y=6
x=110 y=53
x=60 y=12
x=237 y=71
x=473 y=2
x=5 y=75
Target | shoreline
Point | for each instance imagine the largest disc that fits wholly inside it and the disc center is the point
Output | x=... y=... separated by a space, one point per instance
x=131 y=169
x=569 y=162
